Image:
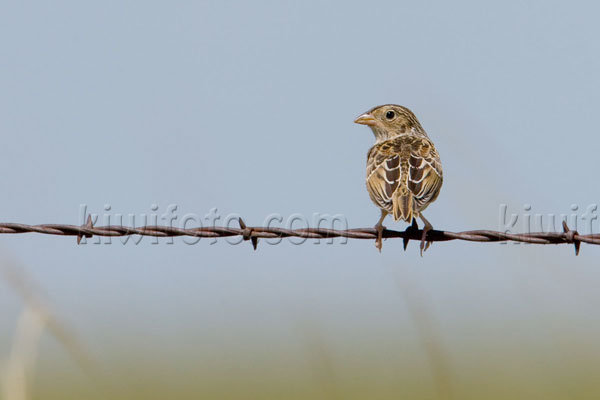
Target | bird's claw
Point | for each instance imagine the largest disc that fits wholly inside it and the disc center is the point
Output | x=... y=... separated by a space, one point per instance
x=378 y=242
x=425 y=244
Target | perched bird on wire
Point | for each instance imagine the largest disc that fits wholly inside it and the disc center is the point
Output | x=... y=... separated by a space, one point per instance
x=404 y=171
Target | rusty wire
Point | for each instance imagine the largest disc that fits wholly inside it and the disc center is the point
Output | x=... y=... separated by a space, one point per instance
x=254 y=233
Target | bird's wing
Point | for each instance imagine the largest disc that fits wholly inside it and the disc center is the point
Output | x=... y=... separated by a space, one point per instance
x=405 y=170
x=383 y=175
x=424 y=173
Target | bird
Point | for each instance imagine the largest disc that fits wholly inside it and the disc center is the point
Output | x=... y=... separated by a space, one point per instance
x=404 y=170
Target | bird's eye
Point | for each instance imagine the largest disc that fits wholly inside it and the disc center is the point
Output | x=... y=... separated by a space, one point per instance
x=390 y=115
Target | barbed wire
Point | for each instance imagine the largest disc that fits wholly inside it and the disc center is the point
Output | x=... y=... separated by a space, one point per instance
x=252 y=234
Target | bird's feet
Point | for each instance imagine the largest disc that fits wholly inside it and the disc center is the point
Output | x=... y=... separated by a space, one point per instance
x=379 y=228
x=425 y=244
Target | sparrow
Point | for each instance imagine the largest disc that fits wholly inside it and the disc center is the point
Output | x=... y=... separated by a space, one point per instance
x=404 y=171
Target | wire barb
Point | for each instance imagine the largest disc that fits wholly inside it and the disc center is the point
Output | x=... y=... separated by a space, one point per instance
x=409 y=230
x=89 y=224
x=247 y=234
x=570 y=237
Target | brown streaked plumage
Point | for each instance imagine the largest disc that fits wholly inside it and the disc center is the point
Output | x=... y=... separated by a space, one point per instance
x=404 y=171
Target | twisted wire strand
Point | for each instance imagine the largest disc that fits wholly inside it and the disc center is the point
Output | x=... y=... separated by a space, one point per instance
x=568 y=236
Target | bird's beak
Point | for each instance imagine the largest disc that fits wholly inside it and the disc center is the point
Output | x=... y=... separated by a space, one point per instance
x=365 y=119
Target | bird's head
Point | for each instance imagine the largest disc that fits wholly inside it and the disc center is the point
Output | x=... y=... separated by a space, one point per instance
x=391 y=120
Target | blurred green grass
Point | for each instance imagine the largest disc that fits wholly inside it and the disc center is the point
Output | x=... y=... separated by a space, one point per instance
x=492 y=376
x=528 y=349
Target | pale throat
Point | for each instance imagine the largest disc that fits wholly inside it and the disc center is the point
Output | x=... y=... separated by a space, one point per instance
x=381 y=134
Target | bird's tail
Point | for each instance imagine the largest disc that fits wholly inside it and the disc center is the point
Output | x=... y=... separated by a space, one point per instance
x=403 y=206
